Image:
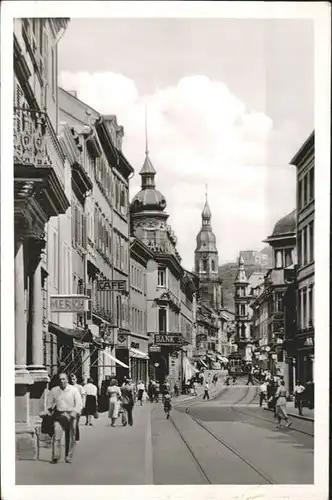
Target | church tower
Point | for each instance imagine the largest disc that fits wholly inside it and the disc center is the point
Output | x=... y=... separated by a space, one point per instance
x=242 y=304
x=206 y=261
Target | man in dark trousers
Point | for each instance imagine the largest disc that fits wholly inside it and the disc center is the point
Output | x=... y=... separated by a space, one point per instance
x=206 y=391
x=250 y=379
x=127 y=395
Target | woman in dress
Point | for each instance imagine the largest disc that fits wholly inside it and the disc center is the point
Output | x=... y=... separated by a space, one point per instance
x=114 y=394
x=281 y=398
x=91 y=393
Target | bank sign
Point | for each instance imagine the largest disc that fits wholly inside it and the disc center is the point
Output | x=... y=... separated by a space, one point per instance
x=68 y=303
x=168 y=339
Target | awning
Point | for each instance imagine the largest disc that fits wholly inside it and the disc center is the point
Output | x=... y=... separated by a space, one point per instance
x=117 y=361
x=72 y=333
x=135 y=353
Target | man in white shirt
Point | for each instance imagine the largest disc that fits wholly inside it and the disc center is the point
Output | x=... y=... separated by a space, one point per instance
x=298 y=393
x=262 y=393
x=66 y=403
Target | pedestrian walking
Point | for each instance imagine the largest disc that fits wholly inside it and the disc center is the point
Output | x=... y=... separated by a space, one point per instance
x=64 y=404
x=127 y=402
x=194 y=387
x=176 y=389
x=90 y=409
x=73 y=382
x=250 y=374
x=262 y=393
x=167 y=404
x=140 y=392
x=298 y=394
x=215 y=379
x=114 y=396
x=156 y=392
x=281 y=399
x=206 y=391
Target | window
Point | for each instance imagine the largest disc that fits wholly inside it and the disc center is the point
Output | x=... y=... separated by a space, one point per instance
x=311 y=307
x=55 y=259
x=311 y=242
x=279 y=302
x=118 y=310
x=162 y=277
x=213 y=266
x=305 y=245
x=243 y=310
x=288 y=257
x=305 y=190
x=162 y=320
x=299 y=194
x=300 y=248
x=311 y=183
x=305 y=315
x=205 y=265
x=278 y=259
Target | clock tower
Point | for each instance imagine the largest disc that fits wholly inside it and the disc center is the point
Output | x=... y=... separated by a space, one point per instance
x=206 y=262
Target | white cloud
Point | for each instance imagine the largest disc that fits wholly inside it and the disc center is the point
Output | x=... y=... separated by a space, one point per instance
x=199 y=132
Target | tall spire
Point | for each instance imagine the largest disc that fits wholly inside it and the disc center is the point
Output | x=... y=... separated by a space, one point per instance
x=206 y=213
x=147 y=172
x=241 y=276
x=146 y=132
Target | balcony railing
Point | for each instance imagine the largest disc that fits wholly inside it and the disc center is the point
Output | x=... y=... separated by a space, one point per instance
x=33 y=136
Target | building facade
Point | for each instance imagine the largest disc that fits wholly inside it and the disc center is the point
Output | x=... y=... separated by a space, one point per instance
x=170 y=291
x=39 y=196
x=269 y=304
x=245 y=290
x=304 y=161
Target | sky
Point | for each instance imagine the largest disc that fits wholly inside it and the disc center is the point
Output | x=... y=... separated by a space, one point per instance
x=229 y=103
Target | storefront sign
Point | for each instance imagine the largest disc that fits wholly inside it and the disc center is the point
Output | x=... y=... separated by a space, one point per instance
x=112 y=285
x=154 y=348
x=134 y=345
x=168 y=339
x=68 y=303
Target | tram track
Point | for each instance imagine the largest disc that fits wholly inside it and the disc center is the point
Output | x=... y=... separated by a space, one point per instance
x=217 y=438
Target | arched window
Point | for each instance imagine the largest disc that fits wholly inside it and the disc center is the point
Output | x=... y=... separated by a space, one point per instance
x=205 y=265
x=213 y=265
x=278 y=259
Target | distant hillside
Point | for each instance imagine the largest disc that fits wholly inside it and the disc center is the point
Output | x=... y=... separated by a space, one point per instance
x=227 y=272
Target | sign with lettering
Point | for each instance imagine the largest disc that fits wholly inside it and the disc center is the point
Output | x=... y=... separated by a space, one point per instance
x=112 y=285
x=134 y=345
x=168 y=339
x=68 y=303
x=154 y=348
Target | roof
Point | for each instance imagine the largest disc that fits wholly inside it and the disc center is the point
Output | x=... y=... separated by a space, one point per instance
x=308 y=145
x=206 y=213
x=285 y=225
x=147 y=168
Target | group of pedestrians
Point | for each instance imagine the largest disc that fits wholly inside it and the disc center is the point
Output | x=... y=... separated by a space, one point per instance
x=67 y=401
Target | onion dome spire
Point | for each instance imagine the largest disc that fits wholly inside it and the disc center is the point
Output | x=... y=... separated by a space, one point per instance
x=147 y=172
x=206 y=213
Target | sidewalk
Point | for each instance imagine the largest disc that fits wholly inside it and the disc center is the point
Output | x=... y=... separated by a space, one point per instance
x=104 y=455
x=292 y=412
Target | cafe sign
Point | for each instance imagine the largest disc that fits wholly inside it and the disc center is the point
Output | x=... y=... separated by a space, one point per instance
x=68 y=303
x=168 y=339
